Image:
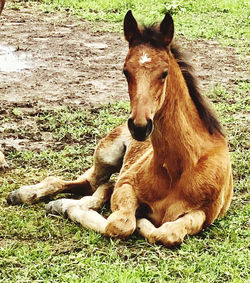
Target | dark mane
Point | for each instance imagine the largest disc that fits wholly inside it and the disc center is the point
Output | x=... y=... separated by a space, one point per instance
x=152 y=36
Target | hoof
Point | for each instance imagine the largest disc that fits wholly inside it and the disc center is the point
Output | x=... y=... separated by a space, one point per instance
x=48 y=208
x=120 y=225
x=53 y=207
x=170 y=234
x=14 y=198
x=59 y=206
x=18 y=196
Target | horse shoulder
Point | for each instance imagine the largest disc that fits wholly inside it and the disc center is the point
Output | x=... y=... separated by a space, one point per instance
x=207 y=184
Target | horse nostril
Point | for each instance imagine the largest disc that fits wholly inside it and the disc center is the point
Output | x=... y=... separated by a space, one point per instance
x=131 y=124
x=140 y=133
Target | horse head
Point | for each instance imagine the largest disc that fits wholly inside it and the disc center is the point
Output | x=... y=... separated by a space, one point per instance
x=146 y=70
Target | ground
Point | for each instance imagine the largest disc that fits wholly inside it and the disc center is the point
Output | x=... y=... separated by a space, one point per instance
x=52 y=60
x=66 y=62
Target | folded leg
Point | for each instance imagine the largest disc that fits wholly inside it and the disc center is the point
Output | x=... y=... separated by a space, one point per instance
x=50 y=186
x=122 y=222
x=83 y=211
x=107 y=160
x=172 y=233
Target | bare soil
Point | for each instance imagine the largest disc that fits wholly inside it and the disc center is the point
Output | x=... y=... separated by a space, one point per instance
x=70 y=64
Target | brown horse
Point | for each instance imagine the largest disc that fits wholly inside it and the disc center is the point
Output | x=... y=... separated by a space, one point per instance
x=172 y=184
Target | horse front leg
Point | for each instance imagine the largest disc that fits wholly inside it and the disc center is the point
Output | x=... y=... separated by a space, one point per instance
x=83 y=211
x=122 y=222
x=172 y=233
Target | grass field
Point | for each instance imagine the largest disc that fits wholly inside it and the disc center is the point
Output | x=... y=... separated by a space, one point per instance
x=35 y=247
x=225 y=20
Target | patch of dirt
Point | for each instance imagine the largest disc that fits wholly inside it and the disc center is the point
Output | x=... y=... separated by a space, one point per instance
x=69 y=64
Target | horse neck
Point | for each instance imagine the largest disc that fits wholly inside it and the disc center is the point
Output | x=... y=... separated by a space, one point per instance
x=178 y=135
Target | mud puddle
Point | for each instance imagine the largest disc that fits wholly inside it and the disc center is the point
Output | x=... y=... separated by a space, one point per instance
x=13 y=60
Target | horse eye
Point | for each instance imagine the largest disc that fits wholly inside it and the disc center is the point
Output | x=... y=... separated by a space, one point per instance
x=163 y=75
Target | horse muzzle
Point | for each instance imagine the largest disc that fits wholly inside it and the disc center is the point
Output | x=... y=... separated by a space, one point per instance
x=140 y=133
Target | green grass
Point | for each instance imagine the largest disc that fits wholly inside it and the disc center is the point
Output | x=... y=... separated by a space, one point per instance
x=224 y=20
x=35 y=247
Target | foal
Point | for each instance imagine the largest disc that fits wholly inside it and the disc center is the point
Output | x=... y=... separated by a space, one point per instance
x=175 y=172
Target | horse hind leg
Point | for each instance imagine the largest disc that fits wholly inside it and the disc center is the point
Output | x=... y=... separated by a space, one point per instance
x=107 y=160
x=172 y=233
x=83 y=211
x=49 y=186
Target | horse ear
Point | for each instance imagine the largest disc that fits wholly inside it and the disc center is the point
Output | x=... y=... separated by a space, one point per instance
x=167 y=29
x=130 y=28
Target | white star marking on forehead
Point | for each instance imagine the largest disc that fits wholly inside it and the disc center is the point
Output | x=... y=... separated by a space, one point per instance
x=144 y=58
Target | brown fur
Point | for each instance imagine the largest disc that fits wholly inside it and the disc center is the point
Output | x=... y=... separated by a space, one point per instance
x=179 y=180
x=2 y=2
